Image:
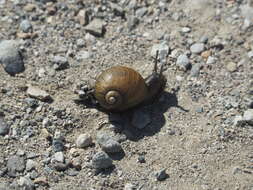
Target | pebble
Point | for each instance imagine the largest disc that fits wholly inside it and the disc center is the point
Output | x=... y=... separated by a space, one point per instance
x=30 y=165
x=197 y=48
x=161 y=175
x=250 y=54
x=83 y=17
x=29 y=7
x=59 y=157
x=186 y=29
x=141 y=12
x=83 y=140
x=183 y=62
x=162 y=48
x=248 y=116
x=101 y=161
x=141 y=159
x=60 y=62
x=4 y=128
x=132 y=22
x=96 y=27
x=37 y=93
x=211 y=60
x=141 y=119
x=58 y=166
x=58 y=145
x=15 y=164
x=26 y=183
x=82 y=55
x=10 y=57
x=231 y=67
x=108 y=144
x=196 y=69
x=204 y=39
x=80 y=43
x=26 y=26
x=41 y=181
x=129 y=186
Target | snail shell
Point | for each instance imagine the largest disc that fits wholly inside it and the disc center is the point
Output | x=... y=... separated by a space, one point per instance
x=120 y=88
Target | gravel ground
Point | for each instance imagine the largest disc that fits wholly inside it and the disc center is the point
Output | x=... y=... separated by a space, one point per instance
x=197 y=135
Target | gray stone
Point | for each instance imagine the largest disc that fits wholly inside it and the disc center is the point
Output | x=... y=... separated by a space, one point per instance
x=117 y=10
x=58 y=145
x=211 y=60
x=132 y=22
x=25 y=183
x=141 y=119
x=59 y=166
x=30 y=165
x=183 y=62
x=83 y=140
x=15 y=164
x=161 y=175
x=26 y=26
x=80 y=43
x=82 y=55
x=101 y=161
x=163 y=50
x=4 y=128
x=248 y=116
x=196 y=69
x=108 y=144
x=60 y=62
x=204 y=39
x=96 y=27
x=37 y=93
x=10 y=57
x=250 y=54
x=238 y=120
x=197 y=48
x=141 y=11
x=59 y=157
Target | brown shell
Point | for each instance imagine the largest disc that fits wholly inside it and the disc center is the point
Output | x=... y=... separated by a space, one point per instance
x=126 y=81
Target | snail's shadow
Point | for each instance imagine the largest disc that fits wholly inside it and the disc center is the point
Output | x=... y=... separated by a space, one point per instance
x=155 y=112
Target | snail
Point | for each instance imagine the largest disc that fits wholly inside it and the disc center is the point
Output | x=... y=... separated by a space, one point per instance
x=120 y=88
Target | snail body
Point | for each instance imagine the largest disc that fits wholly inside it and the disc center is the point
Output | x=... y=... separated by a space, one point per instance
x=120 y=88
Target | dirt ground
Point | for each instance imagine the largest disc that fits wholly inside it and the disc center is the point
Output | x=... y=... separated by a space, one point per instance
x=192 y=134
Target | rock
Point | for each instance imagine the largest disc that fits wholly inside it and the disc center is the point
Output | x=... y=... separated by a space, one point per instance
x=101 y=161
x=141 y=12
x=83 y=140
x=250 y=54
x=30 y=165
x=59 y=157
x=196 y=69
x=58 y=145
x=41 y=181
x=211 y=60
x=4 y=186
x=141 y=159
x=129 y=186
x=58 y=166
x=238 y=120
x=82 y=55
x=183 y=62
x=161 y=175
x=186 y=29
x=60 y=62
x=10 y=57
x=4 y=128
x=132 y=22
x=248 y=116
x=163 y=50
x=206 y=54
x=117 y=10
x=96 y=27
x=80 y=43
x=197 y=48
x=108 y=144
x=15 y=164
x=29 y=7
x=231 y=67
x=37 y=93
x=25 y=183
x=26 y=26
x=83 y=17
x=204 y=39
x=141 y=119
